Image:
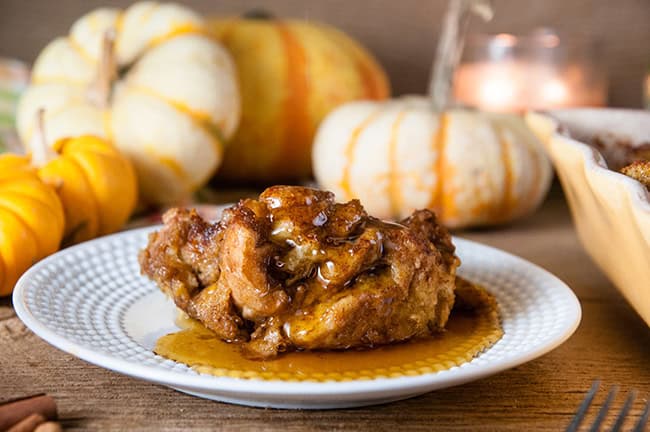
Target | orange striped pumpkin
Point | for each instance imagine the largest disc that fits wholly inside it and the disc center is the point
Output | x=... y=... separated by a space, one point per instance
x=291 y=75
x=472 y=168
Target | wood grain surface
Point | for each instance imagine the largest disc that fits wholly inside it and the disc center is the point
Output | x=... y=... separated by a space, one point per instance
x=612 y=343
x=402 y=34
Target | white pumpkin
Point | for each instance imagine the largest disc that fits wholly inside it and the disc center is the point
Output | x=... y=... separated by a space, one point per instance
x=171 y=108
x=472 y=168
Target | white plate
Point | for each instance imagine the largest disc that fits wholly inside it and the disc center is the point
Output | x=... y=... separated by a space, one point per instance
x=91 y=301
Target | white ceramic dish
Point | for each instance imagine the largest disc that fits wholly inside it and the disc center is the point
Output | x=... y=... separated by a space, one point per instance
x=90 y=301
x=611 y=211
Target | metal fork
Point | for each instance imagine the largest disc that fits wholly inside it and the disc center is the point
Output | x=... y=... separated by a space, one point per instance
x=584 y=406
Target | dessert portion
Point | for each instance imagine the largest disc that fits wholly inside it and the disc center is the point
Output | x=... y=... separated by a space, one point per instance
x=294 y=270
x=619 y=151
x=639 y=171
x=621 y=154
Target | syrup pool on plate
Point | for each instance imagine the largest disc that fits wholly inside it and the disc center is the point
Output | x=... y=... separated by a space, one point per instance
x=467 y=334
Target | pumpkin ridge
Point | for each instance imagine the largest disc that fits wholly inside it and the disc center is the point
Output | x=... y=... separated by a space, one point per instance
x=35 y=203
x=536 y=175
x=506 y=159
x=375 y=88
x=34 y=191
x=19 y=195
x=23 y=256
x=13 y=162
x=439 y=141
x=222 y=32
x=153 y=6
x=119 y=24
x=74 y=187
x=119 y=21
x=105 y=219
x=394 y=177
x=15 y=176
x=296 y=119
x=28 y=229
x=181 y=30
x=145 y=16
x=81 y=144
x=197 y=115
x=49 y=115
x=166 y=161
x=80 y=50
x=199 y=118
x=72 y=158
x=348 y=152
x=375 y=84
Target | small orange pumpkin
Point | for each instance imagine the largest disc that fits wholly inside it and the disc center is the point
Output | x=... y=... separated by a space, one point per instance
x=96 y=184
x=31 y=219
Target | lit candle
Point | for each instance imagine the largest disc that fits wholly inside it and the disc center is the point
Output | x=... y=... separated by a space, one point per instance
x=513 y=82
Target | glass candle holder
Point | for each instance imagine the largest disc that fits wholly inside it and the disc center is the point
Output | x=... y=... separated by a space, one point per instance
x=506 y=72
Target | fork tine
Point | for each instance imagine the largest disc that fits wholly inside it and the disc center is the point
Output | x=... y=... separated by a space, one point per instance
x=584 y=406
x=623 y=413
x=603 y=410
x=643 y=421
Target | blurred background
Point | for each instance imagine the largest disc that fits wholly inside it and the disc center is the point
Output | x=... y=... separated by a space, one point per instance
x=402 y=34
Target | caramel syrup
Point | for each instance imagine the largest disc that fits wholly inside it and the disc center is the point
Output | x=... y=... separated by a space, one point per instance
x=468 y=333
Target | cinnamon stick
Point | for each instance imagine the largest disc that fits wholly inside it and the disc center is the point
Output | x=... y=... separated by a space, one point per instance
x=28 y=424
x=14 y=411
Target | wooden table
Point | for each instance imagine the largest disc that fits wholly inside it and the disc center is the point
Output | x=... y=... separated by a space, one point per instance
x=612 y=343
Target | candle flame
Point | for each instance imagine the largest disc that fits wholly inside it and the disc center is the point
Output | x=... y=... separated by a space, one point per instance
x=554 y=92
x=497 y=93
x=506 y=39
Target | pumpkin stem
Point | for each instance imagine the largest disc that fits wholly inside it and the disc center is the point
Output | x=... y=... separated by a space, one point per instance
x=41 y=152
x=100 y=91
x=450 y=47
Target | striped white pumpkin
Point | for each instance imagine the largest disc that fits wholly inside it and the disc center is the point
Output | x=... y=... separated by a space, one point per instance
x=472 y=168
x=171 y=109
